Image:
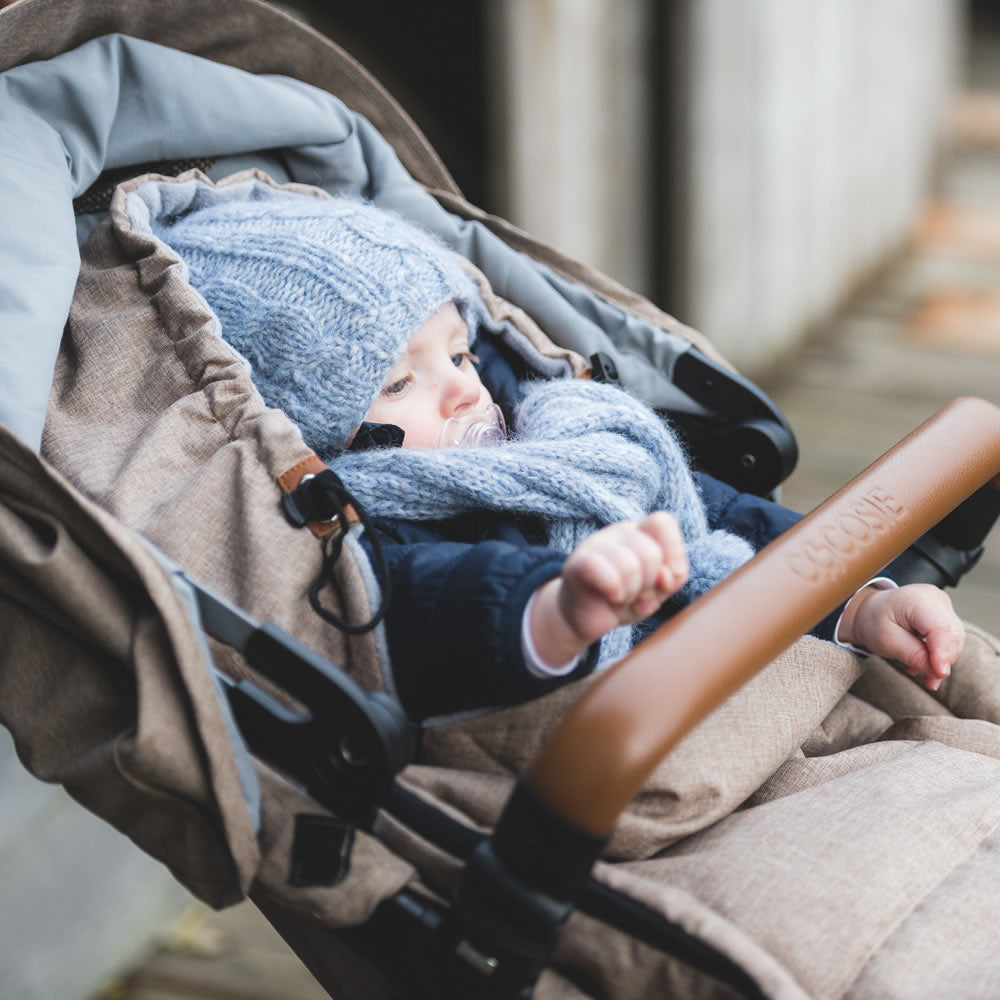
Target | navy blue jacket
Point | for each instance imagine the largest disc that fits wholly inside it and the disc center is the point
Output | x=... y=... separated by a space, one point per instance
x=460 y=587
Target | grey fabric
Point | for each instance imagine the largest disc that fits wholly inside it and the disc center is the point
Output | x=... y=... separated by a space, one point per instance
x=55 y=146
x=128 y=106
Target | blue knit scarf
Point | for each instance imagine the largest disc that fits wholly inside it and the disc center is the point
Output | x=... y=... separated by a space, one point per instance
x=583 y=455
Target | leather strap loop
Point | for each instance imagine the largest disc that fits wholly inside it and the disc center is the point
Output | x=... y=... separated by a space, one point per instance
x=302 y=508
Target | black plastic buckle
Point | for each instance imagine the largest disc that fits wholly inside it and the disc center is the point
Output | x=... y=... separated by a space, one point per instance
x=313 y=499
x=604 y=369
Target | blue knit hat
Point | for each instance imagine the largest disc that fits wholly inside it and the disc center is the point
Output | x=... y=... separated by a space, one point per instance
x=319 y=294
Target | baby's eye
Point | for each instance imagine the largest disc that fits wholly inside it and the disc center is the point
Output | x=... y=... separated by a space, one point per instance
x=398 y=387
x=459 y=359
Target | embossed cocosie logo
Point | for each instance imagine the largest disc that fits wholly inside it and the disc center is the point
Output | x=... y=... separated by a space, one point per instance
x=817 y=557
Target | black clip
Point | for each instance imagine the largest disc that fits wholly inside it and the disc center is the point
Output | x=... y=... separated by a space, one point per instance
x=370 y=435
x=316 y=498
x=321 y=851
x=603 y=369
x=324 y=498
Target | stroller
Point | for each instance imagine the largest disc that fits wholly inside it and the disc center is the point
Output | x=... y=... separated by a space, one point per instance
x=733 y=810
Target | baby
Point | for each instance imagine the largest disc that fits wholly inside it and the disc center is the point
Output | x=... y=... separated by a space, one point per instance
x=624 y=572
x=514 y=567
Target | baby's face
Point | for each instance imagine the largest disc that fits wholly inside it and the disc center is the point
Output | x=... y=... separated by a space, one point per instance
x=432 y=382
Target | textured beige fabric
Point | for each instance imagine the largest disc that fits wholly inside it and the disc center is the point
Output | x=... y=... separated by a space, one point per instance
x=874 y=832
x=104 y=686
x=155 y=418
x=947 y=946
x=105 y=689
x=710 y=773
x=835 y=852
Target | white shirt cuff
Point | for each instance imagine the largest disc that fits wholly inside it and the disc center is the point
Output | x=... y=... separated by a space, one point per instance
x=879 y=583
x=534 y=663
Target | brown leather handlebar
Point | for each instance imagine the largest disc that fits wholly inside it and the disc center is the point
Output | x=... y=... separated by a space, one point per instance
x=597 y=759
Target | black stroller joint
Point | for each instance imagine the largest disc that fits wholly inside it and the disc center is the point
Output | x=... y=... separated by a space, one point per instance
x=344 y=745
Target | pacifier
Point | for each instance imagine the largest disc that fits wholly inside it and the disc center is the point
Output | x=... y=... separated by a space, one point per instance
x=477 y=429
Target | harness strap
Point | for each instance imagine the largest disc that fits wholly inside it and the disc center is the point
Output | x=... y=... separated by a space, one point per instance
x=322 y=502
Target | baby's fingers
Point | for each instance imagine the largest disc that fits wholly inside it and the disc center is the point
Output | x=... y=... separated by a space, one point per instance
x=930 y=657
x=612 y=574
x=896 y=642
x=944 y=645
x=941 y=630
x=674 y=568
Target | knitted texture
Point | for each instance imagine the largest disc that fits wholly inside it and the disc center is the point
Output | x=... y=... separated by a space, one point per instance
x=584 y=455
x=320 y=295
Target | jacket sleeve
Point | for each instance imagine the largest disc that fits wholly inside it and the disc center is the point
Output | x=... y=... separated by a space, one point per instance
x=454 y=622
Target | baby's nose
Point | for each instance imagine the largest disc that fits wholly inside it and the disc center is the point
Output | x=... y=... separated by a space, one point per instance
x=464 y=391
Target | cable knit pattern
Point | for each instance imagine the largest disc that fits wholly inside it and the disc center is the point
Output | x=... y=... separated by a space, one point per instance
x=319 y=294
x=584 y=455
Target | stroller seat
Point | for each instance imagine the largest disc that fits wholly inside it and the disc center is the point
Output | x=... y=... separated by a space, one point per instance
x=733 y=810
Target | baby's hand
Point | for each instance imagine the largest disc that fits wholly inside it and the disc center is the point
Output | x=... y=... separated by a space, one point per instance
x=915 y=624
x=618 y=575
x=622 y=573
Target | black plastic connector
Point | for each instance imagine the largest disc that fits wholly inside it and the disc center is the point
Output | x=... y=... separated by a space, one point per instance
x=343 y=744
x=518 y=890
x=953 y=546
x=604 y=369
x=745 y=441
